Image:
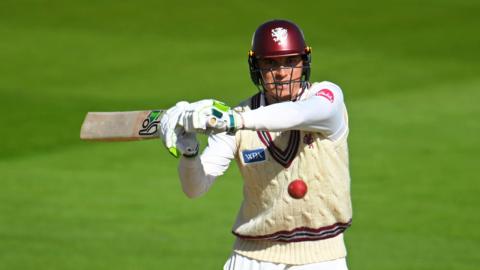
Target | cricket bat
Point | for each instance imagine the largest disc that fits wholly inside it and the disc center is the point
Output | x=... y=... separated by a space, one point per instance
x=125 y=126
x=121 y=126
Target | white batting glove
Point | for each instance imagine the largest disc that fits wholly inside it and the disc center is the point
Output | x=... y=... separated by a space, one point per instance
x=230 y=121
x=210 y=116
x=168 y=127
x=196 y=116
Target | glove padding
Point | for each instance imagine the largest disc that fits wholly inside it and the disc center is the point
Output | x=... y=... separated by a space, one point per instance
x=168 y=127
x=210 y=116
x=197 y=115
x=230 y=121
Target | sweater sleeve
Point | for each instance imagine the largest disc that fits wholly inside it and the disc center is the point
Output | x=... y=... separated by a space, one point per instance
x=199 y=173
x=321 y=110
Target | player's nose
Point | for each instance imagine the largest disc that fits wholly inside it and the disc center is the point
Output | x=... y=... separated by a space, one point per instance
x=281 y=72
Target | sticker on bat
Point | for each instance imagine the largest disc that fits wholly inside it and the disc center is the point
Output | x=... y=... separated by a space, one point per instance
x=150 y=124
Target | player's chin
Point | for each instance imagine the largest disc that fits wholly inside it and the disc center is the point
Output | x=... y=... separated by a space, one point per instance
x=279 y=97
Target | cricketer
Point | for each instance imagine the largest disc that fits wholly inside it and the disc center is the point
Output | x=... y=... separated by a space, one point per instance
x=290 y=143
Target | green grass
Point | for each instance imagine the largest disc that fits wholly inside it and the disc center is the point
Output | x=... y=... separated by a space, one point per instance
x=409 y=70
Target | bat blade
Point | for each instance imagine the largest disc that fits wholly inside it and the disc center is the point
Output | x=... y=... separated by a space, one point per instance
x=121 y=126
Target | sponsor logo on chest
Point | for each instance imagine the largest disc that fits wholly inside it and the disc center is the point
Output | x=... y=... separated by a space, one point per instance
x=253 y=156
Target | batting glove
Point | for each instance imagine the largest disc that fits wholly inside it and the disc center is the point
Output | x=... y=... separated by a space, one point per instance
x=229 y=121
x=202 y=116
x=187 y=143
x=168 y=127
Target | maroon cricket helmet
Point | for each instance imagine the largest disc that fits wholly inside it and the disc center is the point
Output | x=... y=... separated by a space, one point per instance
x=277 y=38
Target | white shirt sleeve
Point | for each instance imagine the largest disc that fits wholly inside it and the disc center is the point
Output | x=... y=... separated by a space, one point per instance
x=321 y=109
x=198 y=174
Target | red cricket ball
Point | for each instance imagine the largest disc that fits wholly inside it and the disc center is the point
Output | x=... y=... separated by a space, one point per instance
x=297 y=189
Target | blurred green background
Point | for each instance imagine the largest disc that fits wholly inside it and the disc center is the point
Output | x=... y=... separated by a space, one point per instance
x=409 y=71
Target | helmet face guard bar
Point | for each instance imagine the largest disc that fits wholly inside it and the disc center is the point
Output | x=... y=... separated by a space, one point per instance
x=277 y=87
x=256 y=74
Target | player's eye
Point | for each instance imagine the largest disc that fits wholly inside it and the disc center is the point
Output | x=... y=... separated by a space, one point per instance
x=272 y=63
x=292 y=61
x=269 y=63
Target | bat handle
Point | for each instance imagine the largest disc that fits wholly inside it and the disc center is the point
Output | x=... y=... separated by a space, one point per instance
x=212 y=122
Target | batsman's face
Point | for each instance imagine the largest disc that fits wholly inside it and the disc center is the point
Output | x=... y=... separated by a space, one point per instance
x=281 y=77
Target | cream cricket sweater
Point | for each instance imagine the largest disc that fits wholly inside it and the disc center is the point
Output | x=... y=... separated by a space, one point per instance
x=273 y=226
